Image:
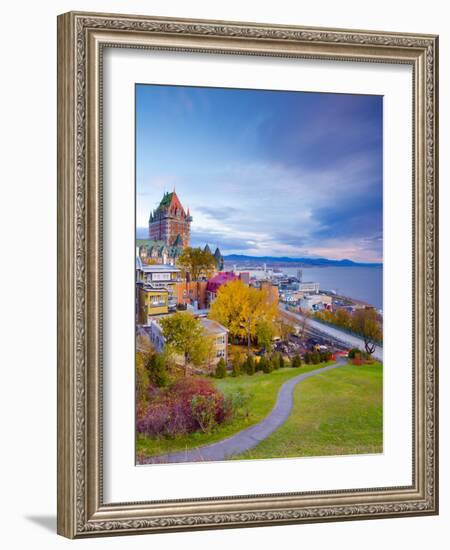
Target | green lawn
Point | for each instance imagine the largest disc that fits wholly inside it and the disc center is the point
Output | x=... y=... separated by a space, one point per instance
x=264 y=388
x=338 y=412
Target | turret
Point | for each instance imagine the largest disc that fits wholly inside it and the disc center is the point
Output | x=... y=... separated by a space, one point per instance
x=219 y=259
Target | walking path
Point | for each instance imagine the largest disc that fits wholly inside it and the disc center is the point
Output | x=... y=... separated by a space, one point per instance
x=248 y=438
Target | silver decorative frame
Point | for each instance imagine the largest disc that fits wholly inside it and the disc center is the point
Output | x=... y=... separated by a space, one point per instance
x=81 y=38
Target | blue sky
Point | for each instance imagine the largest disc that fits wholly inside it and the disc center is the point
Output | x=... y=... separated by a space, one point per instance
x=265 y=172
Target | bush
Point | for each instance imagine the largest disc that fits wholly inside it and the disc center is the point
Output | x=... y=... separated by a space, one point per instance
x=157 y=370
x=266 y=365
x=240 y=401
x=307 y=358
x=296 y=361
x=188 y=405
x=275 y=360
x=142 y=380
x=250 y=365
x=354 y=352
x=204 y=411
x=221 y=368
x=258 y=365
x=153 y=421
x=315 y=357
x=282 y=363
x=236 y=367
x=357 y=361
x=323 y=357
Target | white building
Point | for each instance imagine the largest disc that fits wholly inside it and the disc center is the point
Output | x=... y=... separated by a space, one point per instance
x=309 y=287
x=316 y=302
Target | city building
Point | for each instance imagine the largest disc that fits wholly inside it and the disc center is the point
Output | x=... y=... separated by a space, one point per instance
x=244 y=276
x=288 y=284
x=170 y=222
x=219 y=335
x=157 y=252
x=316 y=302
x=192 y=293
x=291 y=296
x=309 y=287
x=156 y=290
x=272 y=291
x=216 y=282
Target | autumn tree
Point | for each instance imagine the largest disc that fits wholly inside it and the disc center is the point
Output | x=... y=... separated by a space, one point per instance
x=185 y=336
x=367 y=323
x=197 y=262
x=285 y=328
x=343 y=318
x=241 y=308
x=265 y=332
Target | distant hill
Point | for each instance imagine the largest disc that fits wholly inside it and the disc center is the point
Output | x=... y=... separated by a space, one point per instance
x=318 y=262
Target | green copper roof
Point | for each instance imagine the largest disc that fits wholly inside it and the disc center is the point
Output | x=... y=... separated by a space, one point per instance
x=166 y=200
x=160 y=246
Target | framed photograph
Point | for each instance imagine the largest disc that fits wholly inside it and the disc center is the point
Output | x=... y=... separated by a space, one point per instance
x=247 y=274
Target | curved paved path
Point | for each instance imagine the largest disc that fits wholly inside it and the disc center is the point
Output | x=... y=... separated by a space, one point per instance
x=249 y=437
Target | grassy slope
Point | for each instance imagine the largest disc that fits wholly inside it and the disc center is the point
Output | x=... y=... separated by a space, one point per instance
x=335 y=413
x=264 y=387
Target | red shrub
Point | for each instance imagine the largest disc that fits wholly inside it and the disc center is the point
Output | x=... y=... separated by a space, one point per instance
x=153 y=422
x=187 y=387
x=357 y=361
x=176 y=411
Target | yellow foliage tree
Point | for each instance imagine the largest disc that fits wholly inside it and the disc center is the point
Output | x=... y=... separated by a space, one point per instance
x=240 y=308
x=197 y=262
x=367 y=322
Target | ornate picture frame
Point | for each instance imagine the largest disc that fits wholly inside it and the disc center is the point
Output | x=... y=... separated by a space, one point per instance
x=82 y=38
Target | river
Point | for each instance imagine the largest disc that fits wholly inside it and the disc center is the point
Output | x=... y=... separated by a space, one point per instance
x=361 y=283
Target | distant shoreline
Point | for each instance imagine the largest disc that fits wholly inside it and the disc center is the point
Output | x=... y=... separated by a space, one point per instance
x=294 y=262
x=280 y=261
x=230 y=263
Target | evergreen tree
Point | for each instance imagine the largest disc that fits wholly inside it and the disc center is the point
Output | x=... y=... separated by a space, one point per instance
x=250 y=365
x=221 y=368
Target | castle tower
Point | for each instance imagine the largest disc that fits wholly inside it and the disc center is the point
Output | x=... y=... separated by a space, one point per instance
x=170 y=223
x=219 y=259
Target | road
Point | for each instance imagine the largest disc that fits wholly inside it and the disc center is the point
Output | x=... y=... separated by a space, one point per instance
x=249 y=437
x=348 y=339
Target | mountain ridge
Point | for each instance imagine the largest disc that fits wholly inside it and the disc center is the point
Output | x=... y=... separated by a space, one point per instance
x=299 y=261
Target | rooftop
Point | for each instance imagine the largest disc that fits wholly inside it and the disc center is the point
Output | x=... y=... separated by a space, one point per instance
x=213 y=327
x=159 y=268
x=221 y=278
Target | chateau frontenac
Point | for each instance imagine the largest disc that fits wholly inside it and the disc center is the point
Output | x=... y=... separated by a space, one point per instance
x=169 y=229
x=170 y=223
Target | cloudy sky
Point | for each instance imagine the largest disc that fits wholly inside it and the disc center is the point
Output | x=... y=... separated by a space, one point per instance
x=265 y=172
